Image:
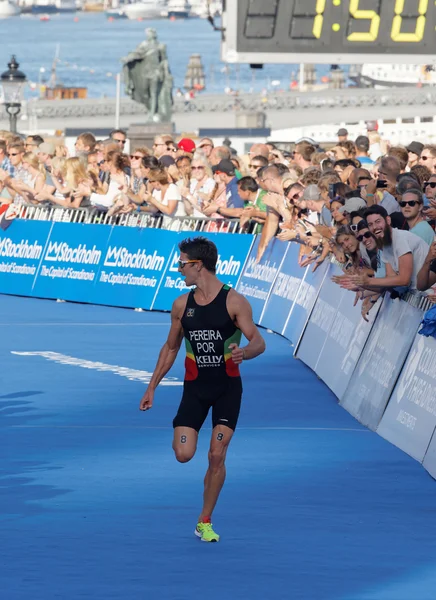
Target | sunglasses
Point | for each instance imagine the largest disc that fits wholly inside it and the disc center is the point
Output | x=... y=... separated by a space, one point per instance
x=364 y=236
x=182 y=263
x=432 y=184
x=295 y=197
x=200 y=168
x=13 y=154
x=412 y=203
x=132 y=156
x=205 y=146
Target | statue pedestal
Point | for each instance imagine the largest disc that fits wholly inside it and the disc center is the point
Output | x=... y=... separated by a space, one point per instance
x=144 y=134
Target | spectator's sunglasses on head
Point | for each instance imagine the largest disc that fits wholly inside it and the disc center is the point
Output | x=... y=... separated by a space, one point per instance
x=182 y=263
x=411 y=203
x=432 y=184
x=363 y=236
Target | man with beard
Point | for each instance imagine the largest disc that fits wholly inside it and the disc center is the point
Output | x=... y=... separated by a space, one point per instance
x=402 y=252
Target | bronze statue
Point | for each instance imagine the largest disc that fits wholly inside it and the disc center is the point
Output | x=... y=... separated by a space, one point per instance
x=148 y=79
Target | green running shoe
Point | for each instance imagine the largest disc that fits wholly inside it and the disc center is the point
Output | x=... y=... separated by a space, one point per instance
x=205 y=532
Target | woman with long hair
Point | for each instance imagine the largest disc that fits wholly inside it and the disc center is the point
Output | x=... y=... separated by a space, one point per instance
x=165 y=196
x=35 y=179
x=201 y=186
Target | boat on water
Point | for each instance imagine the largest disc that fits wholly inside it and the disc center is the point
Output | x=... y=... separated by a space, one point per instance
x=146 y=9
x=116 y=13
x=204 y=9
x=8 y=9
x=178 y=9
x=392 y=75
x=50 y=7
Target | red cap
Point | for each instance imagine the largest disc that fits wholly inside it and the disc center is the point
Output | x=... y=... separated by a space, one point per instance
x=187 y=145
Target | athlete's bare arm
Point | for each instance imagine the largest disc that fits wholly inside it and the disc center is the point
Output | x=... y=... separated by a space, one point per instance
x=168 y=353
x=240 y=310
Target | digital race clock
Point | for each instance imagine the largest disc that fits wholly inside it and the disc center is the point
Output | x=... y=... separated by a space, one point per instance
x=329 y=31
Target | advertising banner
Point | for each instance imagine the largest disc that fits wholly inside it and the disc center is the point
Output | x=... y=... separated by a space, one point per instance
x=381 y=361
x=344 y=343
x=321 y=320
x=21 y=249
x=232 y=255
x=258 y=278
x=285 y=289
x=133 y=266
x=410 y=417
x=304 y=302
x=71 y=262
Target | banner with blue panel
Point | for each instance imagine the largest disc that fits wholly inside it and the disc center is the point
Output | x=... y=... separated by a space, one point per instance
x=344 y=343
x=410 y=417
x=21 y=249
x=258 y=278
x=321 y=320
x=232 y=255
x=304 y=302
x=381 y=361
x=133 y=266
x=284 y=290
x=71 y=262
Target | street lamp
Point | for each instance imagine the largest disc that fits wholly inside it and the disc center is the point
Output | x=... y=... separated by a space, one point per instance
x=13 y=82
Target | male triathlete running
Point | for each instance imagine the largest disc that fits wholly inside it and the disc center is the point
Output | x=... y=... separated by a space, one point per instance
x=211 y=318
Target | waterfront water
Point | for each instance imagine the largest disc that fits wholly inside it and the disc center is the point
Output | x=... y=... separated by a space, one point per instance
x=94 y=43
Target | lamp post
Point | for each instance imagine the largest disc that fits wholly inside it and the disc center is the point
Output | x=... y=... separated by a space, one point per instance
x=13 y=82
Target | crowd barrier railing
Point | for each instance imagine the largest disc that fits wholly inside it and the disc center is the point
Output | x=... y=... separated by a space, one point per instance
x=382 y=371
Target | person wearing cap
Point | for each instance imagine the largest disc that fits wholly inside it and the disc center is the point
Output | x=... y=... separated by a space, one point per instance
x=313 y=200
x=352 y=205
x=362 y=153
x=342 y=134
x=225 y=170
x=414 y=149
x=186 y=145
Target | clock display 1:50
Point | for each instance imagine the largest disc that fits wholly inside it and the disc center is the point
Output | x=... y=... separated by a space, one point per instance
x=373 y=18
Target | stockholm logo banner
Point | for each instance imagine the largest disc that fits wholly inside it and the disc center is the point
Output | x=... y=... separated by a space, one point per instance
x=229 y=267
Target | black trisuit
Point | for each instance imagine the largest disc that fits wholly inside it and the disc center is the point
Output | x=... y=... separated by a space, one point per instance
x=211 y=379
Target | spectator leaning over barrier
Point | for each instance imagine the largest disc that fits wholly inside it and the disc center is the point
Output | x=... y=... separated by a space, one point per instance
x=369 y=249
x=254 y=207
x=403 y=253
x=411 y=206
x=225 y=171
x=428 y=157
x=414 y=150
x=427 y=274
x=201 y=187
x=166 y=197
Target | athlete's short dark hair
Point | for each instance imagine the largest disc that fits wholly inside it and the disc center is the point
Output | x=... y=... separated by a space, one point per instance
x=248 y=184
x=200 y=248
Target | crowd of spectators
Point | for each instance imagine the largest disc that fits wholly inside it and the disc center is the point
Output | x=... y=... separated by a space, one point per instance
x=372 y=208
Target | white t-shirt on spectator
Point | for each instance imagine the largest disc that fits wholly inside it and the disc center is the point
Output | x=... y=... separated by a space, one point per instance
x=404 y=242
x=108 y=199
x=207 y=187
x=172 y=193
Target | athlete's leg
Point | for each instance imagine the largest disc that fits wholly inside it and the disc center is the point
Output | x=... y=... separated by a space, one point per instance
x=184 y=443
x=216 y=473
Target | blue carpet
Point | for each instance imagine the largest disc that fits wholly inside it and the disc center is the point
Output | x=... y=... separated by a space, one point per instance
x=93 y=504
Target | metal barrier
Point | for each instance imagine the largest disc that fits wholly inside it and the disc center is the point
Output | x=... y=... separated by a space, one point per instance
x=83 y=215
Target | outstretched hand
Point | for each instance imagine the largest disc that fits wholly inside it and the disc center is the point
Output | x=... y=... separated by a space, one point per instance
x=237 y=353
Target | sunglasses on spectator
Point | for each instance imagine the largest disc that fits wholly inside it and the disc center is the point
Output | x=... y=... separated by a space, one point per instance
x=254 y=166
x=364 y=236
x=295 y=196
x=412 y=203
x=200 y=168
x=182 y=263
x=432 y=184
x=132 y=156
x=13 y=153
x=205 y=145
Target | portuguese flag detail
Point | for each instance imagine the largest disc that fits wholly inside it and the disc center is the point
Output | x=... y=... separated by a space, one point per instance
x=190 y=363
x=232 y=370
